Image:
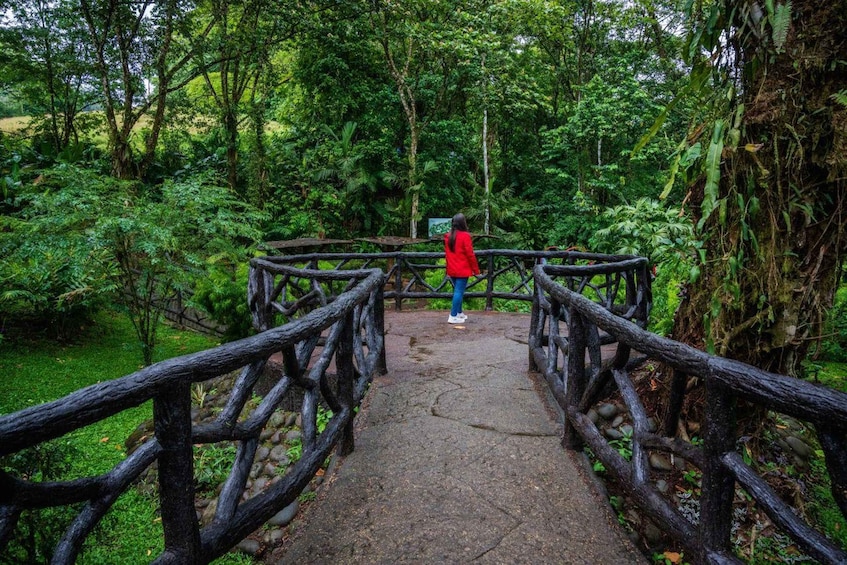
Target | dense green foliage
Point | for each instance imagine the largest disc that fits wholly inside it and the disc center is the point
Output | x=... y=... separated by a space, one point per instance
x=164 y=140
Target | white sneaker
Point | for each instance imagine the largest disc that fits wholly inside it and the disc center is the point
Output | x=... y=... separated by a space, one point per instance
x=454 y=320
x=462 y=316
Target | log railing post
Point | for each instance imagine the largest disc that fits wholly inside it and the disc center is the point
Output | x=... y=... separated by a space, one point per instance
x=718 y=484
x=576 y=375
x=172 y=423
x=398 y=282
x=489 y=284
x=379 y=328
x=344 y=366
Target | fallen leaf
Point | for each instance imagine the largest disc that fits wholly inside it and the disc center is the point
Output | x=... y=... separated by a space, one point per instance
x=672 y=556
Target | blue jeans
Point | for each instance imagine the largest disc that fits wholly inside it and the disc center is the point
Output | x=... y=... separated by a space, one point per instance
x=459 y=285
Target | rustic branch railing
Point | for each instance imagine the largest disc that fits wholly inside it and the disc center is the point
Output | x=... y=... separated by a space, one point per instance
x=351 y=326
x=576 y=386
x=507 y=275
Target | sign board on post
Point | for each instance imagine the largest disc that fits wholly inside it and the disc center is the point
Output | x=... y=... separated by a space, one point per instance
x=439 y=226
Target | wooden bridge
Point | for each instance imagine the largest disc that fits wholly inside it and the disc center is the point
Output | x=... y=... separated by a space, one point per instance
x=325 y=315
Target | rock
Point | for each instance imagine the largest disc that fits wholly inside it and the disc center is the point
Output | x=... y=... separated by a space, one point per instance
x=593 y=416
x=278 y=454
x=262 y=453
x=652 y=534
x=660 y=462
x=291 y=419
x=652 y=426
x=617 y=421
x=249 y=546
x=277 y=419
x=662 y=486
x=259 y=485
x=626 y=430
x=298 y=421
x=275 y=536
x=266 y=434
x=209 y=513
x=255 y=470
x=612 y=433
x=269 y=469
x=284 y=516
x=276 y=438
x=607 y=410
x=293 y=435
x=799 y=446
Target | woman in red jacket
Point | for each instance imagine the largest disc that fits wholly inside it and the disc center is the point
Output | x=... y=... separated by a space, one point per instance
x=461 y=264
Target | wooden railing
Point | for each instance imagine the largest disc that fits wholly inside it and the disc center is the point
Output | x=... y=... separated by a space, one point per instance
x=507 y=275
x=561 y=356
x=350 y=333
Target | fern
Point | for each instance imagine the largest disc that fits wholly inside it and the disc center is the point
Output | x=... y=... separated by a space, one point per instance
x=780 y=20
x=840 y=97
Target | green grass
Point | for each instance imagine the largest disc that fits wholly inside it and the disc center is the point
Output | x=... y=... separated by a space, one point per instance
x=40 y=371
x=834 y=375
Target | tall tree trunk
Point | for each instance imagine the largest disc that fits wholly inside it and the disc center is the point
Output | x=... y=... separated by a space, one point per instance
x=775 y=233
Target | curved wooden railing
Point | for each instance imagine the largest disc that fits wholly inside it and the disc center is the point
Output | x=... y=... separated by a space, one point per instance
x=560 y=355
x=507 y=275
x=350 y=333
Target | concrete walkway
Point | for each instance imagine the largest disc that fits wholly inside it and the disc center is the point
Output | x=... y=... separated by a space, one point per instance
x=458 y=460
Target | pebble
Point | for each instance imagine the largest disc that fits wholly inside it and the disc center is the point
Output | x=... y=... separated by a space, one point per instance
x=799 y=446
x=617 y=421
x=262 y=453
x=249 y=546
x=293 y=435
x=613 y=433
x=626 y=430
x=278 y=454
x=663 y=486
x=652 y=426
x=660 y=462
x=593 y=416
x=286 y=515
x=607 y=410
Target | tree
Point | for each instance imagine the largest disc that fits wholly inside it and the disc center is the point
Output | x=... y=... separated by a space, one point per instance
x=47 y=61
x=236 y=63
x=141 y=53
x=770 y=198
x=149 y=241
x=423 y=52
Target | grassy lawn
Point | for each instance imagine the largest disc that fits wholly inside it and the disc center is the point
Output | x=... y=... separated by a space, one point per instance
x=834 y=375
x=39 y=371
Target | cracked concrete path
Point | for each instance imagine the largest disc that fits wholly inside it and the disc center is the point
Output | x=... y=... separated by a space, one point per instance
x=458 y=460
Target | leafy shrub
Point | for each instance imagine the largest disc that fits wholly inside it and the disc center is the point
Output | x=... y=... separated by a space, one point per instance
x=223 y=295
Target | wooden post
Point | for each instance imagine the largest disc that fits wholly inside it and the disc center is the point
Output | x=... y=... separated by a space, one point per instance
x=718 y=484
x=489 y=284
x=379 y=327
x=576 y=376
x=675 y=399
x=344 y=366
x=172 y=424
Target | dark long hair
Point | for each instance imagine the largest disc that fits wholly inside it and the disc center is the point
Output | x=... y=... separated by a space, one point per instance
x=459 y=224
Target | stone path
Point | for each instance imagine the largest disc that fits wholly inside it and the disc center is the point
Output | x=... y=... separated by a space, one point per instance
x=458 y=460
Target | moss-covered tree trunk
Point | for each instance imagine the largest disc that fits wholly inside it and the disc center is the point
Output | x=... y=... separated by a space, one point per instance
x=775 y=230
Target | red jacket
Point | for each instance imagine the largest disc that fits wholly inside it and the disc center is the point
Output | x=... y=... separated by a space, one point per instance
x=461 y=263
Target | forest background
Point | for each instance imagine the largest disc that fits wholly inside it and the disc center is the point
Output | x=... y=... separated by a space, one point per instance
x=150 y=147
x=153 y=145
